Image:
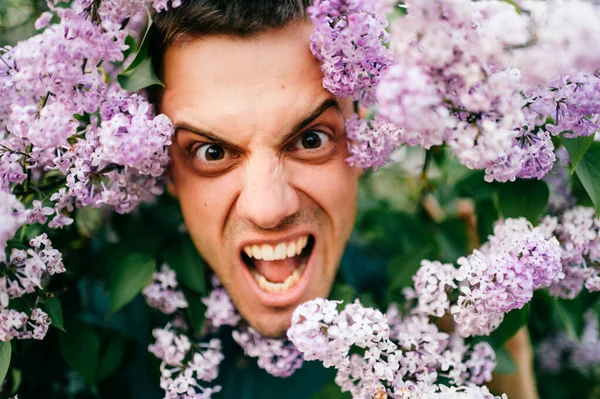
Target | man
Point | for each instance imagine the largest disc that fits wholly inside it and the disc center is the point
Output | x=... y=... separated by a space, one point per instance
x=258 y=164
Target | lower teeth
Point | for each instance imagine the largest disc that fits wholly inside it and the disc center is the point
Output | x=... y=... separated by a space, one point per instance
x=289 y=282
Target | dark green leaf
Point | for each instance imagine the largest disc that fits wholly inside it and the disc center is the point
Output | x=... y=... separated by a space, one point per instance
x=342 y=292
x=141 y=77
x=196 y=309
x=474 y=186
x=513 y=321
x=130 y=275
x=526 y=198
x=53 y=307
x=487 y=214
x=453 y=239
x=5 y=355
x=189 y=267
x=140 y=73
x=80 y=347
x=402 y=268
x=143 y=48
x=570 y=312
x=88 y=220
x=506 y=363
x=588 y=171
x=577 y=147
x=111 y=357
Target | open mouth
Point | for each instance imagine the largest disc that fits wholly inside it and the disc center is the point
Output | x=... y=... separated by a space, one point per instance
x=277 y=268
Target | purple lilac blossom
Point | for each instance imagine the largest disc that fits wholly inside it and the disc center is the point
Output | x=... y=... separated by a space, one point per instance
x=277 y=357
x=502 y=276
x=163 y=292
x=578 y=231
x=371 y=142
x=399 y=358
x=348 y=38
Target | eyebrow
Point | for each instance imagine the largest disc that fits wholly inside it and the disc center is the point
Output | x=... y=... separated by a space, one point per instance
x=305 y=121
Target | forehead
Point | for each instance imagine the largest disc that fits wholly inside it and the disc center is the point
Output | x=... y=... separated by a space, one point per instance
x=226 y=83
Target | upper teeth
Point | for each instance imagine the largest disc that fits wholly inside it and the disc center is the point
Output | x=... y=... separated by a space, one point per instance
x=278 y=252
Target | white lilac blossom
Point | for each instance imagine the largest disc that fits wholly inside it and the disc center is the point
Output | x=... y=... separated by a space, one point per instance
x=26 y=268
x=400 y=359
x=16 y=324
x=348 y=38
x=163 y=292
x=183 y=366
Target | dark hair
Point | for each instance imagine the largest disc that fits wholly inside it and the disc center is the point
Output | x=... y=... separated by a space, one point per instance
x=241 y=18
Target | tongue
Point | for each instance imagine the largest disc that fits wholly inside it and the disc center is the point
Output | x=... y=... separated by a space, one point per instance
x=276 y=271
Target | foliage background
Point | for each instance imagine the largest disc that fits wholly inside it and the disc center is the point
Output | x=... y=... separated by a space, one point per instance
x=428 y=206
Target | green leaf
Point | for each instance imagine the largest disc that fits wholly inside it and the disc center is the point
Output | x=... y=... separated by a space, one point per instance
x=130 y=275
x=5 y=355
x=512 y=322
x=189 y=267
x=196 y=309
x=506 y=363
x=588 y=171
x=88 y=220
x=526 y=198
x=342 y=292
x=402 y=268
x=80 y=347
x=111 y=357
x=569 y=313
x=140 y=73
x=53 y=307
x=577 y=148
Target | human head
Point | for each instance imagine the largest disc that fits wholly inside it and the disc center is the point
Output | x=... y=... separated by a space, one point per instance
x=258 y=159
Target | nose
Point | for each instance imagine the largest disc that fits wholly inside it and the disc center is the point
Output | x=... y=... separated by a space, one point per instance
x=267 y=198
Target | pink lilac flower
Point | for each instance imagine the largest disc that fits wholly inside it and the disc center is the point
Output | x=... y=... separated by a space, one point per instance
x=578 y=231
x=348 y=38
x=516 y=260
x=219 y=308
x=163 y=292
x=398 y=359
x=276 y=356
x=371 y=142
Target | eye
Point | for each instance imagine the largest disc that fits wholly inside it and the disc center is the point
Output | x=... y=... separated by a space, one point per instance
x=312 y=140
x=211 y=152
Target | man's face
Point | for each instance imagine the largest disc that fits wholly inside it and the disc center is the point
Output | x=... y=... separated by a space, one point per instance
x=258 y=165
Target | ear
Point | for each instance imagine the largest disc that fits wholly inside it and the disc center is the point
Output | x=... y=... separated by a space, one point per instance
x=172 y=188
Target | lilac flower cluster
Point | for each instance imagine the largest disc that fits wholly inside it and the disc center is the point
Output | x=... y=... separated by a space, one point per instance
x=277 y=357
x=220 y=311
x=578 y=231
x=463 y=77
x=492 y=281
x=183 y=366
x=23 y=273
x=70 y=137
x=397 y=357
x=163 y=292
x=560 y=351
x=348 y=38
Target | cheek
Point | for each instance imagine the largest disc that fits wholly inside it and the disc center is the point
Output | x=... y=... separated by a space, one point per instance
x=205 y=203
x=333 y=186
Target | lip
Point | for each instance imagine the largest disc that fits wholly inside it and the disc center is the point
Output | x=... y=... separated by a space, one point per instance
x=292 y=295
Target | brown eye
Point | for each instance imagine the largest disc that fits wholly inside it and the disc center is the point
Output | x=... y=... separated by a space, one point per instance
x=211 y=152
x=312 y=140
